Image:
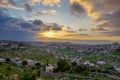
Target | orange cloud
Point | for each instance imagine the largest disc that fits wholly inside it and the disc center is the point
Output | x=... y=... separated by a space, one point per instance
x=61 y=35
x=46 y=2
x=34 y=1
x=90 y=6
x=45 y=12
x=52 y=11
x=51 y=2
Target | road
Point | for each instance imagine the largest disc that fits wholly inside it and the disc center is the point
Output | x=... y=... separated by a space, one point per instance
x=67 y=75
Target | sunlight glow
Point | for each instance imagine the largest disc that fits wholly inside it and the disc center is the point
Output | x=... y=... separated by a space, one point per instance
x=49 y=34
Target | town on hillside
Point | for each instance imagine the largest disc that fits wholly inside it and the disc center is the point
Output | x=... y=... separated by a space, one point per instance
x=58 y=61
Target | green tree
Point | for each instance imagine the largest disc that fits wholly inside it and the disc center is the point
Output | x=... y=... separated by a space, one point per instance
x=62 y=65
x=8 y=68
x=80 y=68
x=38 y=72
x=37 y=65
x=73 y=64
x=7 y=60
x=24 y=63
x=1 y=76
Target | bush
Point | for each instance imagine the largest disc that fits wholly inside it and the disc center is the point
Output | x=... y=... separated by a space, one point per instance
x=38 y=72
x=80 y=68
x=62 y=65
x=28 y=76
x=1 y=76
x=7 y=60
x=86 y=73
x=8 y=68
x=24 y=63
x=0 y=63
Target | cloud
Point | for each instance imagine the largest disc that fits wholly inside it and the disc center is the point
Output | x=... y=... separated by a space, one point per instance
x=98 y=29
x=34 y=1
x=77 y=9
x=10 y=28
x=113 y=33
x=80 y=35
x=51 y=26
x=26 y=25
x=110 y=5
x=70 y=31
x=92 y=7
x=51 y=2
x=37 y=22
x=55 y=26
x=9 y=4
x=28 y=7
x=49 y=11
x=106 y=14
x=96 y=8
x=45 y=12
x=2 y=11
x=38 y=13
x=8 y=23
x=67 y=27
x=72 y=36
x=38 y=25
x=82 y=29
x=110 y=22
x=46 y=2
x=21 y=29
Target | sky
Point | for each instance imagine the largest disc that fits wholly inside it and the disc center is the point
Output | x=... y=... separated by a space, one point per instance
x=59 y=20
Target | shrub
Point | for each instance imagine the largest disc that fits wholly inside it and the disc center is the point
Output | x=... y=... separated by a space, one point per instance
x=7 y=60
x=28 y=76
x=62 y=65
x=8 y=68
x=80 y=68
x=24 y=63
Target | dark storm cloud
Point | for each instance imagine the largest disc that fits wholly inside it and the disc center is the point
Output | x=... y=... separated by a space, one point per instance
x=55 y=26
x=26 y=25
x=28 y=7
x=10 y=23
x=12 y=2
x=50 y=26
x=37 y=22
x=36 y=29
x=77 y=9
x=10 y=29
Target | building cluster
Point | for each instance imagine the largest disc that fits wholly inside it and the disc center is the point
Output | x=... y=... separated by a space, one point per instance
x=78 y=48
x=7 y=45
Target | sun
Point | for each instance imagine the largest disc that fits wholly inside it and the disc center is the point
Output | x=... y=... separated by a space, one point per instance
x=49 y=34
